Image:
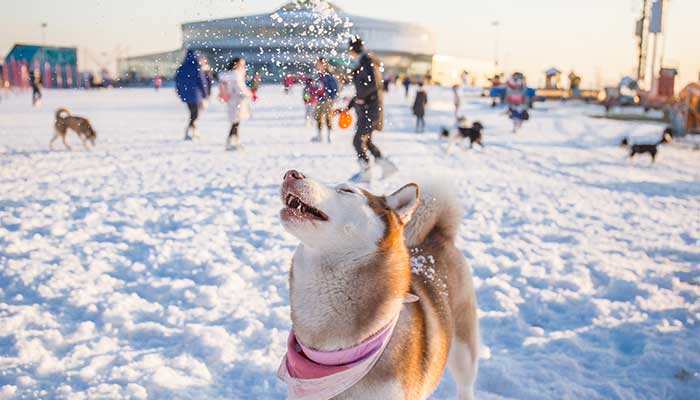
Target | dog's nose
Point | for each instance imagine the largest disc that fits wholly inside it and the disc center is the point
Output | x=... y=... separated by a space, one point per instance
x=293 y=174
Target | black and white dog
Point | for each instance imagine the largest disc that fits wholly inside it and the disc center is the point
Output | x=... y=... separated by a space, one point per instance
x=463 y=132
x=651 y=148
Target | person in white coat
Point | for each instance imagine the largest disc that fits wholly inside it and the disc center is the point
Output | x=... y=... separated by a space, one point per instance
x=233 y=90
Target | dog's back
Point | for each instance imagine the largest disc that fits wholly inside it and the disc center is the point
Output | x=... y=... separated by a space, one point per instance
x=651 y=148
x=443 y=327
x=81 y=126
x=438 y=266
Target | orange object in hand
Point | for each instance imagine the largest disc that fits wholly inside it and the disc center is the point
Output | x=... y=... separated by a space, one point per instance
x=344 y=120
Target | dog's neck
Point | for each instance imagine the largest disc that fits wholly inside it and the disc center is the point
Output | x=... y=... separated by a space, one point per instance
x=340 y=298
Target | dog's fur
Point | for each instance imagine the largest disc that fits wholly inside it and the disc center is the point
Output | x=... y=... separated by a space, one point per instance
x=352 y=271
x=81 y=126
x=651 y=148
x=463 y=133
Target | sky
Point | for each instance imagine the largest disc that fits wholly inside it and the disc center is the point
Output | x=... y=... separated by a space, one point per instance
x=593 y=37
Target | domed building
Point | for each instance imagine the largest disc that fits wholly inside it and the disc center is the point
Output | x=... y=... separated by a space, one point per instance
x=290 y=39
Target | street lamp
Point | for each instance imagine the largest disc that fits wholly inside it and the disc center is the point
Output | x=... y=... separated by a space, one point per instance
x=495 y=25
x=43 y=33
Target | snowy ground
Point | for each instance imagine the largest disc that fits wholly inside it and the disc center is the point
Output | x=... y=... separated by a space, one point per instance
x=151 y=267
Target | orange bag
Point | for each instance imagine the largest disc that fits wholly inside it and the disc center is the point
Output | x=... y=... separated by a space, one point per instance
x=344 y=120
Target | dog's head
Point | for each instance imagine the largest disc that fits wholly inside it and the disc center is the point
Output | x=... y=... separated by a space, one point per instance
x=667 y=136
x=343 y=217
x=462 y=122
x=477 y=126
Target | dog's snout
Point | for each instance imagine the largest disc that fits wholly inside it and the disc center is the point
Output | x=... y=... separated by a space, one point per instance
x=293 y=174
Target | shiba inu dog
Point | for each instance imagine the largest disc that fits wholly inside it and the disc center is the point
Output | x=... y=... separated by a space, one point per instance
x=81 y=126
x=381 y=299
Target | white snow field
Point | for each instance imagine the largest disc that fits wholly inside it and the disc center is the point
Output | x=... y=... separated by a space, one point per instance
x=151 y=267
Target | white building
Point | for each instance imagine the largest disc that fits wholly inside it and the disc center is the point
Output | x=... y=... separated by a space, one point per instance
x=289 y=39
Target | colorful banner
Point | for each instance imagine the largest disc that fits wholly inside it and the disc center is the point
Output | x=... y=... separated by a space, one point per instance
x=6 y=74
x=23 y=75
x=46 y=80
x=59 y=77
x=69 y=76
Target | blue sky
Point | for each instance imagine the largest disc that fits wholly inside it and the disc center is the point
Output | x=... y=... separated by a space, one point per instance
x=594 y=37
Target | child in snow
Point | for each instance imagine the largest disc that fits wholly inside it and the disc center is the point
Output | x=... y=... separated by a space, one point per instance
x=516 y=100
x=233 y=90
x=419 y=107
x=288 y=82
x=310 y=99
x=326 y=89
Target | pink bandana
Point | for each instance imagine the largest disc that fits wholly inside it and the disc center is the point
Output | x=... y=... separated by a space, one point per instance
x=320 y=375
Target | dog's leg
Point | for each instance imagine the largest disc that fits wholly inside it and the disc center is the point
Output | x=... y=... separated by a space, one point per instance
x=451 y=142
x=462 y=368
x=85 y=145
x=55 y=137
x=65 y=143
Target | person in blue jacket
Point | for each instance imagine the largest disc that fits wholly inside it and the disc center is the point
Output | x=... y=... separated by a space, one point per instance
x=326 y=87
x=192 y=88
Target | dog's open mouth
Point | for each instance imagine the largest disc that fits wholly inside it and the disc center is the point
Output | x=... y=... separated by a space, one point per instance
x=299 y=209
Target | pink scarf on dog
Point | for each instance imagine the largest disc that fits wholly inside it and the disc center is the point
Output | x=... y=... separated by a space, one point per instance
x=319 y=375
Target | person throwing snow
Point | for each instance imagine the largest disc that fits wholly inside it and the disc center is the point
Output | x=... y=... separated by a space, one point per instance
x=368 y=104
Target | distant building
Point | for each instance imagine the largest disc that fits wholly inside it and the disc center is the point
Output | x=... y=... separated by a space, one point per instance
x=58 y=66
x=289 y=39
x=147 y=67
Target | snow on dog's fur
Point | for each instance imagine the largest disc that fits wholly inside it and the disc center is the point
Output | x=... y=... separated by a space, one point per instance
x=353 y=270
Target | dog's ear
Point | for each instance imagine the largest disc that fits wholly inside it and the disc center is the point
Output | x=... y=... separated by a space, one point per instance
x=404 y=201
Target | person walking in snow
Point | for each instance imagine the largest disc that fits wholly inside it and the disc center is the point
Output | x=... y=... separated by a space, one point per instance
x=326 y=87
x=368 y=104
x=309 y=97
x=157 y=82
x=35 y=82
x=233 y=90
x=419 y=107
x=456 y=99
x=255 y=83
x=191 y=86
x=406 y=84
x=516 y=98
x=288 y=82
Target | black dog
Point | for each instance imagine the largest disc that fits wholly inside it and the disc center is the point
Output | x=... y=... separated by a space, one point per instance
x=650 y=148
x=473 y=133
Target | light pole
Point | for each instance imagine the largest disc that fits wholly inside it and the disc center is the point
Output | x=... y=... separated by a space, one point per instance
x=496 y=24
x=641 y=27
x=43 y=33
